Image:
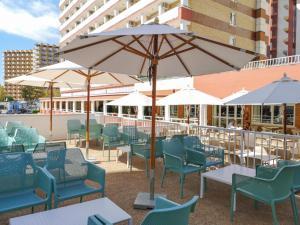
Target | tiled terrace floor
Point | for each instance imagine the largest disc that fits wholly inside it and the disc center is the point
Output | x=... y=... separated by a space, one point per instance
x=122 y=187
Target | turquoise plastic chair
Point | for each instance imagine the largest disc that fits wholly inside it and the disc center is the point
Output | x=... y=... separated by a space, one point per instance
x=112 y=138
x=166 y=212
x=142 y=150
x=28 y=137
x=133 y=135
x=5 y=140
x=20 y=178
x=75 y=129
x=95 y=129
x=175 y=162
x=11 y=126
x=70 y=172
x=267 y=190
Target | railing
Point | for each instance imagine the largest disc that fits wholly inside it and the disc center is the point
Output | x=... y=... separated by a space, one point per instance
x=281 y=61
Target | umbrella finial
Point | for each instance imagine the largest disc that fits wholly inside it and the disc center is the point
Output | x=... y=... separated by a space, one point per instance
x=156 y=20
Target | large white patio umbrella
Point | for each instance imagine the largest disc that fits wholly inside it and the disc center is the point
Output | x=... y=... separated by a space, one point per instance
x=284 y=91
x=68 y=71
x=154 y=51
x=189 y=96
x=234 y=95
x=29 y=80
x=133 y=99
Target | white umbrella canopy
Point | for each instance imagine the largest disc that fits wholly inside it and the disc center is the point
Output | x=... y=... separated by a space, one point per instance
x=179 y=53
x=283 y=91
x=235 y=95
x=29 y=80
x=133 y=99
x=189 y=96
x=154 y=51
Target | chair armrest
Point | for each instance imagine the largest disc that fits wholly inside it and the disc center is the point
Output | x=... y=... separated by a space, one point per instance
x=97 y=220
x=238 y=181
x=53 y=180
x=196 y=157
x=172 y=161
x=96 y=174
x=106 y=139
x=44 y=181
x=163 y=203
x=266 y=172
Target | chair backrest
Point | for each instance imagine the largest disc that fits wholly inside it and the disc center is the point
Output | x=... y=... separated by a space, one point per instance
x=180 y=137
x=282 y=163
x=17 y=172
x=174 y=146
x=176 y=215
x=11 y=127
x=159 y=145
x=73 y=125
x=67 y=165
x=27 y=136
x=191 y=141
x=12 y=148
x=92 y=121
x=283 y=180
x=4 y=138
x=111 y=131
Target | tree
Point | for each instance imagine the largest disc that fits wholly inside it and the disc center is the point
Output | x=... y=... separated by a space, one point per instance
x=32 y=93
x=2 y=93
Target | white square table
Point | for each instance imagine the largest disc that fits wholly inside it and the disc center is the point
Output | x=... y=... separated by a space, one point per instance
x=76 y=214
x=224 y=175
x=126 y=149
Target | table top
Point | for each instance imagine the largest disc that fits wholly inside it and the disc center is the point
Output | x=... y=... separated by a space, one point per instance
x=224 y=175
x=76 y=214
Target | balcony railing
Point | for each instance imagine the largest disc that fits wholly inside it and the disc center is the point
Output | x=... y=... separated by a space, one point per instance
x=282 y=61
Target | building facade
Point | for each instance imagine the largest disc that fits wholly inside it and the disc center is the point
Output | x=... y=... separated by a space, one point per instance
x=242 y=23
x=44 y=55
x=16 y=63
x=285 y=25
x=20 y=62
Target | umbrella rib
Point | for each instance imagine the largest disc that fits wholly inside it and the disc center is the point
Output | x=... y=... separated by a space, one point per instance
x=178 y=57
x=60 y=75
x=141 y=44
x=208 y=53
x=112 y=54
x=134 y=78
x=88 y=45
x=80 y=73
x=131 y=49
x=115 y=78
x=143 y=64
x=178 y=52
x=178 y=46
x=160 y=44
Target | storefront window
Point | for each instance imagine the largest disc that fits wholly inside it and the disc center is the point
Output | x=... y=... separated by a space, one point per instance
x=223 y=115
x=173 y=111
x=272 y=114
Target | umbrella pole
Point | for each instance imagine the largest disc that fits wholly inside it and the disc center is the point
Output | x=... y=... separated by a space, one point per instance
x=284 y=129
x=87 y=144
x=51 y=109
x=153 y=132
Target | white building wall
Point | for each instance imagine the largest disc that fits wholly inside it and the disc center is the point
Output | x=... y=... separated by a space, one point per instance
x=282 y=35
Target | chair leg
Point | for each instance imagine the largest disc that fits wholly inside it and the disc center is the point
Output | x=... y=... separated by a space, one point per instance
x=182 y=178
x=163 y=177
x=81 y=198
x=255 y=204
x=275 y=221
x=147 y=169
x=295 y=209
x=103 y=148
x=32 y=209
x=232 y=205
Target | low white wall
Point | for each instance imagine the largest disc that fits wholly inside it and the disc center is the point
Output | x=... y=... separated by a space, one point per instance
x=41 y=122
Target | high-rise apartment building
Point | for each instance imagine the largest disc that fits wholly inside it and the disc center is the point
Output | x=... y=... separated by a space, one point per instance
x=285 y=28
x=16 y=63
x=44 y=55
x=242 y=23
x=20 y=62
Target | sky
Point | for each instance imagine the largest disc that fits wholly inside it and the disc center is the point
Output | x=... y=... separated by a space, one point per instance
x=26 y=22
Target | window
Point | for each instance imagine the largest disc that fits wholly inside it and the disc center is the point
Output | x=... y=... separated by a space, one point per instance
x=232 y=40
x=173 y=110
x=272 y=114
x=232 y=19
x=223 y=115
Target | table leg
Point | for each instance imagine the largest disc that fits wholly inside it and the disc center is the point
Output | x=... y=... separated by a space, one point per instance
x=234 y=202
x=201 y=186
x=128 y=159
x=117 y=159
